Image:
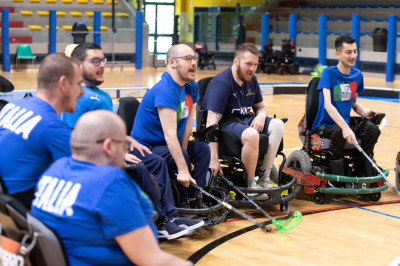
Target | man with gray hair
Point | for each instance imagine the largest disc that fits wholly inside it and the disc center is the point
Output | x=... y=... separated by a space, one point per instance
x=32 y=136
x=100 y=213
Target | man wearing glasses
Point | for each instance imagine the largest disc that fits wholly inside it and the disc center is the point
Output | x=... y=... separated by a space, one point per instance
x=93 y=63
x=32 y=136
x=100 y=213
x=164 y=123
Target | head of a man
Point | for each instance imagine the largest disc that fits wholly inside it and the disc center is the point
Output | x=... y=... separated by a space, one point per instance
x=181 y=63
x=346 y=50
x=245 y=61
x=99 y=137
x=61 y=77
x=93 y=63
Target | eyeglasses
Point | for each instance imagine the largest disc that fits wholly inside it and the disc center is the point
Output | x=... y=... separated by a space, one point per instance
x=127 y=144
x=97 y=61
x=188 y=58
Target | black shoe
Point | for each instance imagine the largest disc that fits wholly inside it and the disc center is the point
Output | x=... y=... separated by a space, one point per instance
x=197 y=204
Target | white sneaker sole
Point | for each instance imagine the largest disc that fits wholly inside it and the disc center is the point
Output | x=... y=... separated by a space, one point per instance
x=192 y=227
x=163 y=234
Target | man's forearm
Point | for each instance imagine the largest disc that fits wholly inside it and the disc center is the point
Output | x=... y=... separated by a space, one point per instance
x=213 y=118
x=336 y=117
x=176 y=153
x=262 y=112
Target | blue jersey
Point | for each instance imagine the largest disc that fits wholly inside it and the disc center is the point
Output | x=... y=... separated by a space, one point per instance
x=32 y=136
x=93 y=99
x=166 y=93
x=88 y=206
x=343 y=88
x=225 y=96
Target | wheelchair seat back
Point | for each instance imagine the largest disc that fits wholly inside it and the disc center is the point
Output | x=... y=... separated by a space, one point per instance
x=127 y=110
x=312 y=103
x=49 y=249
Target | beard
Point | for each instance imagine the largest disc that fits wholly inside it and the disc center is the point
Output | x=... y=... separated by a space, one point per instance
x=90 y=80
x=242 y=75
x=184 y=76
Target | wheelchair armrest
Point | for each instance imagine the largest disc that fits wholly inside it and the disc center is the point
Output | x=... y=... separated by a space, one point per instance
x=209 y=134
x=377 y=119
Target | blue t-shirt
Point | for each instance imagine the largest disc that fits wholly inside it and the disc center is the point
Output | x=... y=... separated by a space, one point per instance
x=225 y=96
x=88 y=206
x=32 y=136
x=147 y=128
x=343 y=88
x=93 y=99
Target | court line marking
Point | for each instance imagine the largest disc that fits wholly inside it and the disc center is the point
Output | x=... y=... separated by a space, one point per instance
x=198 y=255
x=365 y=209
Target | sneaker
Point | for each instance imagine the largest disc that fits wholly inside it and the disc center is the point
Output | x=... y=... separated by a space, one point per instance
x=266 y=183
x=170 y=230
x=190 y=224
x=197 y=204
x=257 y=196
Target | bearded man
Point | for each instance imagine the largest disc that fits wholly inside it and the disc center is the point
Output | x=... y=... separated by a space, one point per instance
x=93 y=62
x=229 y=99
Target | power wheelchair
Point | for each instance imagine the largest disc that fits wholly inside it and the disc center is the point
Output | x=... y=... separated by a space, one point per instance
x=215 y=212
x=229 y=149
x=314 y=165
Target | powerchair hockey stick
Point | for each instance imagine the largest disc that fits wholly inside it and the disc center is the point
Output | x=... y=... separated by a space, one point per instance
x=282 y=225
x=375 y=166
x=231 y=208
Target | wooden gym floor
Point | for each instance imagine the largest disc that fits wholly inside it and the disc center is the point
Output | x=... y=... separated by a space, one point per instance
x=341 y=231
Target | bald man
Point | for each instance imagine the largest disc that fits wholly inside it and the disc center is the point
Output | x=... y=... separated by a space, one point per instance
x=32 y=136
x=164 y=123
x=100 y=213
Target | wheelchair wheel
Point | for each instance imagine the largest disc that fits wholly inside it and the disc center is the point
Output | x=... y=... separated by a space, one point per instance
x=300 y=161
x=281 y=70
x=375 y=196
x=318 y=197
x=397 y=179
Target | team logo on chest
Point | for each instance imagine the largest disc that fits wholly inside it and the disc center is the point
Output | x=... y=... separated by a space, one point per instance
x=344 y=92
x=185 y=108
x=249 y=92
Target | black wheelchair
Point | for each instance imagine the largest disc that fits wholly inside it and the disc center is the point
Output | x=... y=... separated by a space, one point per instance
x=215 y=212
x=229 y=149
x=314 y=165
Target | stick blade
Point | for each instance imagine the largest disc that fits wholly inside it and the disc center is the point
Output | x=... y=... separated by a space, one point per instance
x=290 y=223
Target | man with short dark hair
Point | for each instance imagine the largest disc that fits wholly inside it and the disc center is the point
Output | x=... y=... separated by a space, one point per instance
x=228 y=100
x=339 y=87
x=100 y=213
x=32 y=136
x=93 y=62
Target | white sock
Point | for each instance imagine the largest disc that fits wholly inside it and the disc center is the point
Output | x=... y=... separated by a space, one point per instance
x=275 y=132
